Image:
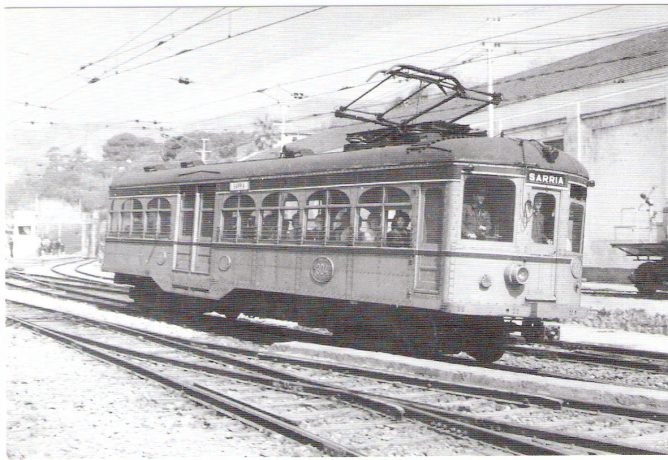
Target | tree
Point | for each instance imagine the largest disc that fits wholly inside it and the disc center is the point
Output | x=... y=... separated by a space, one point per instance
x=127 y=146
x=76 y=178
x=265 y=134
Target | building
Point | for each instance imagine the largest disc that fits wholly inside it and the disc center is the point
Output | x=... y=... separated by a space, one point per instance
x=606 y=107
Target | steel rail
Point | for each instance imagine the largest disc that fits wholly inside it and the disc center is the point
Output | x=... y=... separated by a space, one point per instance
x=69 y=282
x=94 y=299
x=612 y=409
x=397 y=406
x=54 y=268
x=516 y=437
x=77 y=269
x=243 y=412
x=594 y=357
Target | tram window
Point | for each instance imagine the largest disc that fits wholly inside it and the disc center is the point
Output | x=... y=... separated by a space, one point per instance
x=340 y=223
x=542 y=227
x=207 y=201
x=291 y=225
x=239 y=216
x=158 y=218
x=275 y=208
x=385 y=217
x=188 y=214
x=126 y=217
x=576 y=226
x=433 y=215
x=370 y=225
x=115 y=217
x=578 y=192
x=206 y=227
x=576 y=217
x=137 y=218
x=489 y=208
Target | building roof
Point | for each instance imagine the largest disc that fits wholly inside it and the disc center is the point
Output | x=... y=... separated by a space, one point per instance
x=640 y=54
x=480 y=150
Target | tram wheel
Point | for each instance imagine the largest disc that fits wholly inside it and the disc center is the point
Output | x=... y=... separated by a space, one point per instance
x=485 y=339
x=486 y=355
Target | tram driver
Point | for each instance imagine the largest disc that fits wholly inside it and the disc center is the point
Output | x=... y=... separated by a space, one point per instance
x=477 y=223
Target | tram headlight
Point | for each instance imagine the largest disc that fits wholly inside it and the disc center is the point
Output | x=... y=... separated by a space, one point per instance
x=516 y=274
x=485 y=281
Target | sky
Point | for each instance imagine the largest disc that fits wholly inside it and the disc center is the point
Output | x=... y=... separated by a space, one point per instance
x=132 y=59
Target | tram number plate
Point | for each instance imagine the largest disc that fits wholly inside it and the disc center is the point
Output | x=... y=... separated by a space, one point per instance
x=239 y=186
x=544 y=178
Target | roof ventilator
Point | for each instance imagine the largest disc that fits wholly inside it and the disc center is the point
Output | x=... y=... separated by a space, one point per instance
x=191 y=163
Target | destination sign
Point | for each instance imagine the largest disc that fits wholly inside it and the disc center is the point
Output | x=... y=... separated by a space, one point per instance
x=239 y=186
x=543 y=178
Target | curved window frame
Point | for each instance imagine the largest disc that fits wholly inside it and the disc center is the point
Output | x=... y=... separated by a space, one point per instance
x=386 y=205
x=161 y=217
x=279 y=210
x=331 y=202
x=233 y=208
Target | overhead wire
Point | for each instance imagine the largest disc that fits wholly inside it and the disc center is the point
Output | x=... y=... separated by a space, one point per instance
x=171 y=37
x=114 y=52
x=431 y=51
x=215 y=42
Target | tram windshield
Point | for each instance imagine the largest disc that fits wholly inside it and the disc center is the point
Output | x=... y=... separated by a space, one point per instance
x=489 y=208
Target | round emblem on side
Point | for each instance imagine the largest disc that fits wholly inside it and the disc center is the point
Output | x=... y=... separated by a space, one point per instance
x=224 y=263
x=322 y=270
x=576 y=268
x=162 y=258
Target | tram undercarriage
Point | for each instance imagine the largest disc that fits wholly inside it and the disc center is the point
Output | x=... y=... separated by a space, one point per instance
x=406 y=330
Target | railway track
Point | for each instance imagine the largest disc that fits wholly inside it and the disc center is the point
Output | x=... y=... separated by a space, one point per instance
x=612 y=365
x=78 y=264
x=375 y=404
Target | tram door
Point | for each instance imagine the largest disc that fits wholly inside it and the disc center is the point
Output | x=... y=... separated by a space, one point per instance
x=428 y=266
x=542 y=218
x=195 y=228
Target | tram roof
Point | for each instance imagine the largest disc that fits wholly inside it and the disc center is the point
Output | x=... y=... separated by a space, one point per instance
x=474 y=150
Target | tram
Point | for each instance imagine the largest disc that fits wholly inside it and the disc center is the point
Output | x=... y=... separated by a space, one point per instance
x=429 y=234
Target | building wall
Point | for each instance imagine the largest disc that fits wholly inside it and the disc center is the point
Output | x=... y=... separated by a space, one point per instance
x=622 y=140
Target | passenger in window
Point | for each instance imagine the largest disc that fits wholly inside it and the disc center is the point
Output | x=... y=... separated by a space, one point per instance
x=540 y=225
x=248 y=225
x=338 y=222
x=400 y=235
x=477 y=223
x=317 y=232
x=343 y=231
x=294 y=228
x=373 y=232
x=270 y=226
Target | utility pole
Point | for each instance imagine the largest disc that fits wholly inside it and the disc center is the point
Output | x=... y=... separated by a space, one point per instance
x=490 y=77
x=204 y=151
x=284 y=110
